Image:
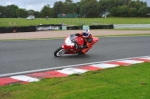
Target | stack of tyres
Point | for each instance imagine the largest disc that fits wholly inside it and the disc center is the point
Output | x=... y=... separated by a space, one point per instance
x=8 y=30
x=1 y=30
x=32 y=28
x=15 y=29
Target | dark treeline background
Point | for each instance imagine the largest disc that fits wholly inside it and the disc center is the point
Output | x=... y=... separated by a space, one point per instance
x=85 y=8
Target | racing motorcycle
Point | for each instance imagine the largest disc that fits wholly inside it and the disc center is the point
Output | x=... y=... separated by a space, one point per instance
x=69 y=45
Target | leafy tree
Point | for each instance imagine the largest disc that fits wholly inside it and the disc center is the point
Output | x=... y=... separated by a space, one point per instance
x=46 y=11
x=107 y=5
x=2 y=11
x=11 y=11
x=103 y=6
x=132 y=12
x=148 y=9
x=89 y=8
x=77 y=7
x=31 y=12
x=132 y=4
x=68 y=7
x=22 y=13
x=37 y=14
x=85 y=8
x=143 y=11
x=58 y=6
x=123 y=11
x=113 y=11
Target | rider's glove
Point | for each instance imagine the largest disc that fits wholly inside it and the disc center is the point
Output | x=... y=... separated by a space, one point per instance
x=77 y=34
x=90 y=40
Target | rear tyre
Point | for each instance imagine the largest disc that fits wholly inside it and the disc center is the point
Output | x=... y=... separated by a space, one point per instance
x=59 y=52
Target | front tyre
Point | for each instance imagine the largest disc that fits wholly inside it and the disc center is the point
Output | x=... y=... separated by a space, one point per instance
x=59 y=52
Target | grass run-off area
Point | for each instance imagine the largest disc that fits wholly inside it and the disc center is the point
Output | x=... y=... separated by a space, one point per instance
x=123 y=82
x=71 y=21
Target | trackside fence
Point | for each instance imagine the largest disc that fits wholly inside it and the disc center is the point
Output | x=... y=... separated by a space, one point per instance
x=48 y=27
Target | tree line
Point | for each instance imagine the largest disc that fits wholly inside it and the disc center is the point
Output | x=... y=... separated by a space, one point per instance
x=84 y=8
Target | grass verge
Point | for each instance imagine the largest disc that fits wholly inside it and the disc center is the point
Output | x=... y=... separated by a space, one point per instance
x=115 y=83
x=71 y=21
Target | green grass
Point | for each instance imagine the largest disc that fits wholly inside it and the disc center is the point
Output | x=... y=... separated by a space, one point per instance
x=72 y=21
x=131 y=82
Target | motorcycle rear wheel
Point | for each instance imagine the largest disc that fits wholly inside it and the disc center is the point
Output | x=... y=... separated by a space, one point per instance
x=59 y=52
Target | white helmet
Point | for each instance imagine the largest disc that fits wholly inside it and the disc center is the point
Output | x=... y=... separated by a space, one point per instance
x=86 y=33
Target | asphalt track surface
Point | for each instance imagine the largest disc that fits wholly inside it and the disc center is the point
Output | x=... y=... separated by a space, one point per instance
x=26 y=55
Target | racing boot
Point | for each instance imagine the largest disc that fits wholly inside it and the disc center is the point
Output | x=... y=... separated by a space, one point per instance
x=82 y=49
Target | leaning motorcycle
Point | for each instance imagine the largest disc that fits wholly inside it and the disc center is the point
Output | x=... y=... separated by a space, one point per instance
x=69 y=45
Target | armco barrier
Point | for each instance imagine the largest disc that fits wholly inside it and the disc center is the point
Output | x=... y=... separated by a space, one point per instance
x=96 y=27
x=26 y=29
x=1 y=29
x=17 y=29
x=101 y=26
x=6 y=29
x=49 y=27
x=14 y=29
x=74 y=27
x=90 y=27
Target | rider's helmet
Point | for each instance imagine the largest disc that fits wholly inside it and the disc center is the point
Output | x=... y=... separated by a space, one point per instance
x=86 y=33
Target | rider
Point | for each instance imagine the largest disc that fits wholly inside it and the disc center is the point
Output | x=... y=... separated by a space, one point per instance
x=87 y=37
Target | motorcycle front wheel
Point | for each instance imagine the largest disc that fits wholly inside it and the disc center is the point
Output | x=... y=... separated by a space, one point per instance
x=59 y=52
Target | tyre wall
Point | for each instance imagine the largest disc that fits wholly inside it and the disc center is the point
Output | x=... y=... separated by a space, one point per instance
x=48 y=27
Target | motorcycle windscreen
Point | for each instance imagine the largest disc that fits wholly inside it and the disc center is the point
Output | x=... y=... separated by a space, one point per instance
x=69 y=42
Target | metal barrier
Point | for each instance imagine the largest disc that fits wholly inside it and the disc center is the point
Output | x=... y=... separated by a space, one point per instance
x=48 y=27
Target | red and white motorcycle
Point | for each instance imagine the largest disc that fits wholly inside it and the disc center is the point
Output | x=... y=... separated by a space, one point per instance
x=69 y=46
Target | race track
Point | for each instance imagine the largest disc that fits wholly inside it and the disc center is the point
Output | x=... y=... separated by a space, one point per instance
x=19 y=56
